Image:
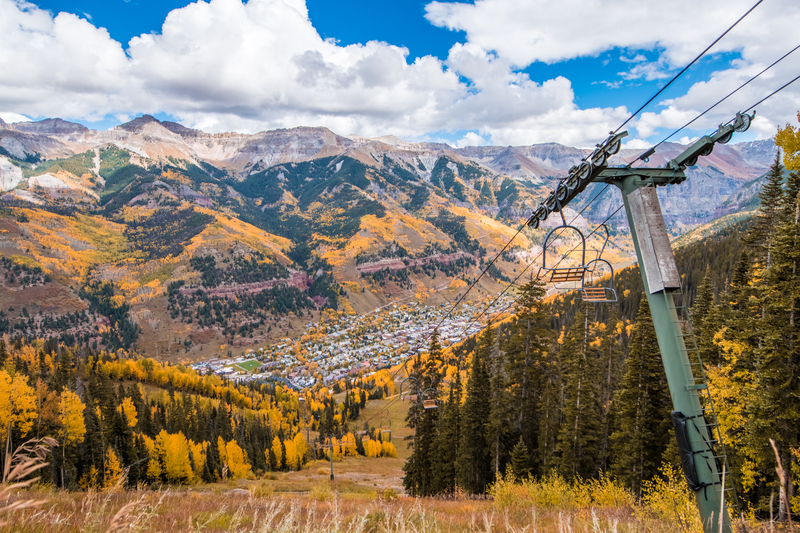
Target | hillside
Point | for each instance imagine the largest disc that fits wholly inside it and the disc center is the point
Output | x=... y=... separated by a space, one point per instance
x=186 y=245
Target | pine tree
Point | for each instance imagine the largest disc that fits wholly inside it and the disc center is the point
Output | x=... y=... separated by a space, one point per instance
x=579 y=440
x=775 y=411
x=520 y=460
x=422 y=482
x=759 y=239
x=447 y=440
x=473 y=470
x=642 y=408
x=526 y=354
x=497 y=425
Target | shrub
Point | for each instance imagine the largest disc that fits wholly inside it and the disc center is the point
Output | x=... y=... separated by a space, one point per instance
x=553 y=492
x=322 y=492
x=667 y=498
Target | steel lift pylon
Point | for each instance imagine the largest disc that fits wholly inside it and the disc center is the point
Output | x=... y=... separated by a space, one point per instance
x=694 y=419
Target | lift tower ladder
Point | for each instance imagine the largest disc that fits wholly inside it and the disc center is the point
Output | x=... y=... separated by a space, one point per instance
x=704 y=451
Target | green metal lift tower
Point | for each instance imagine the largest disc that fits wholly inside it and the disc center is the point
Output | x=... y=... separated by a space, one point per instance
x=697 y=432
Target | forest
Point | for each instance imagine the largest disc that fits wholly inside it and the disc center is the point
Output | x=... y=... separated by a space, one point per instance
x=578 y=390
x=122 y=420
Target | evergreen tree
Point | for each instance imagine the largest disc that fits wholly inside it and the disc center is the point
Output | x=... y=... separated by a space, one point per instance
x=422 y=482
x=473 y=471
x=520 y=460
x=775 y=410
x=497 y=425
x=448 y=439
x=550 y=415
x=759 y=239
x=526 y=353
x=579 y=440
x=643 y=407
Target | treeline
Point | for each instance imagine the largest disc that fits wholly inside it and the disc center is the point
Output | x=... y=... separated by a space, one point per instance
x=124 y=420
x=580 y=390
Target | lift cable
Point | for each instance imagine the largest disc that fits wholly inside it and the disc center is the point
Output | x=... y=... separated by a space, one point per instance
x=773 y=93
x=650 y=151
x=678 y=75
x=510 y=285
x=496 y=257
x=531 y=264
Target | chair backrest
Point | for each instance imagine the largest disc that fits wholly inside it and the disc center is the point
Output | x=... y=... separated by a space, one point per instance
x=429 y=404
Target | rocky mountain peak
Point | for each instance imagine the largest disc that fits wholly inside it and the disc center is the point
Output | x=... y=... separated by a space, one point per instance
x=136 y=125
x=50 y=126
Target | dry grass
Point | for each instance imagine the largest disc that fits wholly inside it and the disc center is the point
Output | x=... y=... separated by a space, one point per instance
x=543 y=506
x=325 y=510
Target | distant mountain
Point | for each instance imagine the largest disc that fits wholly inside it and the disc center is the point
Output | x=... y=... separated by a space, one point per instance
x=230 y=239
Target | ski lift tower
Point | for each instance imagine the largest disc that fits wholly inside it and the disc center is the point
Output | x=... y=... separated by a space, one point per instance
x=699 y=439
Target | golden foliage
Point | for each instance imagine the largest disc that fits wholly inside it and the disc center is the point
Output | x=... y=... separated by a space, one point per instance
x=234 y=458
x=129 y=410
x=73 y=428
x=17 y=404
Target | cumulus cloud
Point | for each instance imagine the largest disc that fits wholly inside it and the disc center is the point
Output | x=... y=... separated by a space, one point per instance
x=471 y=139
x=224 y=65
x=550 y=32
x=9 y=117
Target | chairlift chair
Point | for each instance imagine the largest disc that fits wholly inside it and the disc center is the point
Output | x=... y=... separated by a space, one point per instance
x=558 y=274
x=386 y=426
x=598 y=293
x=413 y=393
x=429 y=400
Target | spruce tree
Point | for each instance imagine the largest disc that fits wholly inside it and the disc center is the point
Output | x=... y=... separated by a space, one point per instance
x=473 y=469
x=448 y=440
x=526 y=354
x=497 y=425
x=520 y=460
x=579 y=439
x=642 y=418
x=775 y=410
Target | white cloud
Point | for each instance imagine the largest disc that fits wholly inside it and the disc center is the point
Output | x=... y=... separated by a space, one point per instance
x=637 y=144
x=471 y=139
x=227 y=66
x=686 y=140
x=9 y=117
x=522 y=33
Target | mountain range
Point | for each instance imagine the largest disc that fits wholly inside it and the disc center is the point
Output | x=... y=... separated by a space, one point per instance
x=178 y=241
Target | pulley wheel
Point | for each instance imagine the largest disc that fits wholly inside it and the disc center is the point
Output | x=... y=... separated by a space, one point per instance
x=562 y=192
x=550 y=202
x=725 y=139
x=585 y=171
x=692 y=161
x=745 y=123
x=613 y=148
x=599 y=159
x=707 y=150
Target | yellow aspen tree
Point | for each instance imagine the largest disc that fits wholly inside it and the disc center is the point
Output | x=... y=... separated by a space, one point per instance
x=277 y=450
x=173 y=451
x=300 y=447
x=129 y=410
x=73 y=428
x=223 y=456
x=238 y=465
x=388 y=449
x=154 y=464
x=113 y=469
x=17 y=405
x=199 y=456
x=349 y=448
x=291 y=454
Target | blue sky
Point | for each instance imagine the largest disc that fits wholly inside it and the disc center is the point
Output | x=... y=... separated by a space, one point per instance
x=482 y=72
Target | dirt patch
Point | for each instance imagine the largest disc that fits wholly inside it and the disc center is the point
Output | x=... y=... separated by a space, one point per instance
x=203 y=336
